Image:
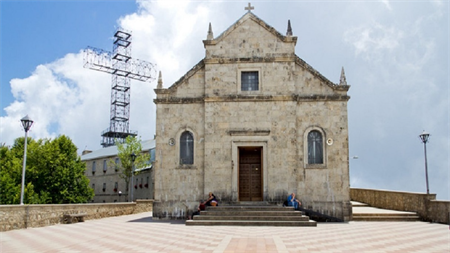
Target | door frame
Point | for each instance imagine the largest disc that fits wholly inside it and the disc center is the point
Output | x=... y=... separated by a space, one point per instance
x=260 y=142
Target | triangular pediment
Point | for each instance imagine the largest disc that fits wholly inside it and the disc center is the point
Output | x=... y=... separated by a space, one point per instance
x=246 y=17
x=249 y=40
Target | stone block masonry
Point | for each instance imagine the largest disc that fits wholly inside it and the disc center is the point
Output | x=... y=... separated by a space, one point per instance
x=425 y=205
x=25 y=216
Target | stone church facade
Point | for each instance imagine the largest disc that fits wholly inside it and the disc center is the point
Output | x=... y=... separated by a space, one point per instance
x=252 y=121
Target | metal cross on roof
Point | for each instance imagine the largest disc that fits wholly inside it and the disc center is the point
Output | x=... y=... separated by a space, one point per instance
x=249 y=7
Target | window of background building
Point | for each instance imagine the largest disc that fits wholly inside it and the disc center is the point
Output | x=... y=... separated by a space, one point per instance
x=117 y=164
x=105 y=166
x=249 y=80
x=152 y=155
x=315 y=148
x=186 y=148
x=104 y=186
x=93 y=167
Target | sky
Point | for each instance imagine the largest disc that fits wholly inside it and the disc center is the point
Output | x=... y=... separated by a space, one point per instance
x=395 y=55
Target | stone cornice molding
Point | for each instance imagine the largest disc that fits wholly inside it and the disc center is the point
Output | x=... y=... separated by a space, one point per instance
x=176 y=100
x=306 y=98
x=248 y=132
x=274 y=58
x=257 y=98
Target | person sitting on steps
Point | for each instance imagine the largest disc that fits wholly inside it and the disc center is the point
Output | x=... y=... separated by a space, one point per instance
x=211 y=201
x=292 y=201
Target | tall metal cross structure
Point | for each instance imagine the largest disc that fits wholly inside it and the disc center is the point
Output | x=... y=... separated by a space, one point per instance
x=122 y=67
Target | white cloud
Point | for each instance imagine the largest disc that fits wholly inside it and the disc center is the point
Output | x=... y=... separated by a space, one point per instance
x=373 y=41
x=387 y=4
x=169 y=33
x=63 y=97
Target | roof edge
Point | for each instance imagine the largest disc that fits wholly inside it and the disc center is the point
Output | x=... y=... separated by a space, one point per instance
x=246 y=16
x=299 y=61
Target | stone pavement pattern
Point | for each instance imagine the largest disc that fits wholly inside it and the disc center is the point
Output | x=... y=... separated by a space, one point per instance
x=139 y=233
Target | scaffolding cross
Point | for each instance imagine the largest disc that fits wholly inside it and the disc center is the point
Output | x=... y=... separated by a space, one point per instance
x=122 y=68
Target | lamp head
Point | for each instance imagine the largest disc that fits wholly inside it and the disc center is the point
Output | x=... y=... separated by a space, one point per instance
x=133 y=156
x=424 y=136
x=26 y=123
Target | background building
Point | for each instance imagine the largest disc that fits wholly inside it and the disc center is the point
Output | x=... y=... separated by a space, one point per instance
x=105 y=177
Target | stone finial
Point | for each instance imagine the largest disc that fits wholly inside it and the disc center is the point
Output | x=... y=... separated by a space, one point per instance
x=160 y=82
x=343 y=80
x=289 y=29
x=210 y=35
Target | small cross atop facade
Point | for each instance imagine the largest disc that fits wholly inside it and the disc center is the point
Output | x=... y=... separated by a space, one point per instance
x=249 y=7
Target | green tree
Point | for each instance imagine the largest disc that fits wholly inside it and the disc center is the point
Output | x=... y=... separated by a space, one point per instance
x=11 y=162
x=54 y=173
x=130 y=146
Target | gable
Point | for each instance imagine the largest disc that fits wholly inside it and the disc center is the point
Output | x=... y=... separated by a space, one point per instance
x=250 y=43
x=250 y=37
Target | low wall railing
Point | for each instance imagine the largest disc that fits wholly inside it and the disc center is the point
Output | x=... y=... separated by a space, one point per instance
x=425 y=205
x=24 y=216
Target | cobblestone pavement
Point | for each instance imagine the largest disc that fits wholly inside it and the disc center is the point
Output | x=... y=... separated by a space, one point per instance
x=139 y=233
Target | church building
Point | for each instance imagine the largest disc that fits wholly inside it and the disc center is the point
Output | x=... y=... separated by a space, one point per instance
x=252 y=122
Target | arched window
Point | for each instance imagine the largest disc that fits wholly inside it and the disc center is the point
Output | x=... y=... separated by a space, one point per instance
x=315 y=147
x=187 y=148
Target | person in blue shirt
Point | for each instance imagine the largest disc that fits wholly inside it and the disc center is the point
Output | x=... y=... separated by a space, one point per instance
x=292 y=201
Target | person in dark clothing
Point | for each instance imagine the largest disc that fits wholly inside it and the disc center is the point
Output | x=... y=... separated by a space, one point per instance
x=211 y=201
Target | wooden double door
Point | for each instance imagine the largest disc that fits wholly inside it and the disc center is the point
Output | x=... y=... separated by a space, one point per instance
x=250 y=174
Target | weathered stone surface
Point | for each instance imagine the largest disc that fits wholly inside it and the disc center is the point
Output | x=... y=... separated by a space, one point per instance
x=25 y=216
x=292 y=99
x=425 y=205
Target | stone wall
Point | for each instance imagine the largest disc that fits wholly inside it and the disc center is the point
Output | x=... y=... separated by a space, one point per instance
x=291 y=100
x=24 y=216
x=425 y=205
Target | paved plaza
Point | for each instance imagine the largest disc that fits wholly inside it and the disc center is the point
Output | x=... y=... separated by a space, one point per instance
x=139 y=233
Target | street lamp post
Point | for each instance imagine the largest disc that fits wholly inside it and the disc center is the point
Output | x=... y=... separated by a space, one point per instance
x=424 y=137
x=133 y=157
x=26 y=123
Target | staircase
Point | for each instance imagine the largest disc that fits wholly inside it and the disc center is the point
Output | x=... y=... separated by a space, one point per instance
x=256 y=214
x=364 y=212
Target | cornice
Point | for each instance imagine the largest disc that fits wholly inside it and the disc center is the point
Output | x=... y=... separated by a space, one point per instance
x=260 y=98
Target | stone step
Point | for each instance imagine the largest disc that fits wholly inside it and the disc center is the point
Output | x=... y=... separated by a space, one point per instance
x=247 y=203
x=249 y=223
x=251 y=213
x=385 y=218
x=250 y=208
x=252 y=218
x=358 y=204
x=402 y=214
x=364 y=212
